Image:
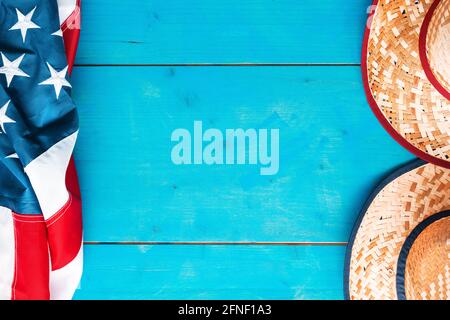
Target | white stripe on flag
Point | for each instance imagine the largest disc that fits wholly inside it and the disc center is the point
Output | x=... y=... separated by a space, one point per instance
x=7 y=253
x=47 y=175
x=64 y=281
x=66 y=8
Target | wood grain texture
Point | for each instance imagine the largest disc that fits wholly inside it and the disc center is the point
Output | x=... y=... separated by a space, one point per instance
x=212 y=272
x=232 y=31
x=333 y=151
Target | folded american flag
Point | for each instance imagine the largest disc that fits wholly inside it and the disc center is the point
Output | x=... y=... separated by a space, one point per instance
x=40 y=207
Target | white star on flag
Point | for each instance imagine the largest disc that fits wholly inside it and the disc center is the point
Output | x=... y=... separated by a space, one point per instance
x=24 y=23
x=12 y=156
x=11 y=69
x=4 y=119
x=58 y=33
x=57 y=79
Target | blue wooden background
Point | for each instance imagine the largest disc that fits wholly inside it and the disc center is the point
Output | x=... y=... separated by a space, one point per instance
x=157 y=231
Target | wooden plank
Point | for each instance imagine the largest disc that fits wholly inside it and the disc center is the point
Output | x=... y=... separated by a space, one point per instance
x=212 y=272
x=232 y=31
x=333 y=151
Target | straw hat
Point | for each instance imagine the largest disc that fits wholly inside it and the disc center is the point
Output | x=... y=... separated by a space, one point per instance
x=406 y=71
x=400 y=246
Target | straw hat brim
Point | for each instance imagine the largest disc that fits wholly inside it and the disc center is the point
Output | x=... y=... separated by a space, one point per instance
x=399 y=208
x=441 y=160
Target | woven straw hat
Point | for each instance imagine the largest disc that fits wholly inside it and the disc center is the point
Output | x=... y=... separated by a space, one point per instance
x=400 y=246
x=406 y=71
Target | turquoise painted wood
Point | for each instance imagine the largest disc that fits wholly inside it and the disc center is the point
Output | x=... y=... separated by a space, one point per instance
x=332 y=153
x=232 y=31
x=212 y=272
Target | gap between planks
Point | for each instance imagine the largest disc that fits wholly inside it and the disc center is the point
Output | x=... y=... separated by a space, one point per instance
x=218 y=65
x=214 y=243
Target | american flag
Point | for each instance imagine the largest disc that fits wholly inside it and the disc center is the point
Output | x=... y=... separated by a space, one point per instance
x=40 y=207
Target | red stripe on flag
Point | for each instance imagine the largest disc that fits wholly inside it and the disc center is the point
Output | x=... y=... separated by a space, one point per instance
x=71 y=32
x=31 y=271
x=65 y=233
x=72 y=179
